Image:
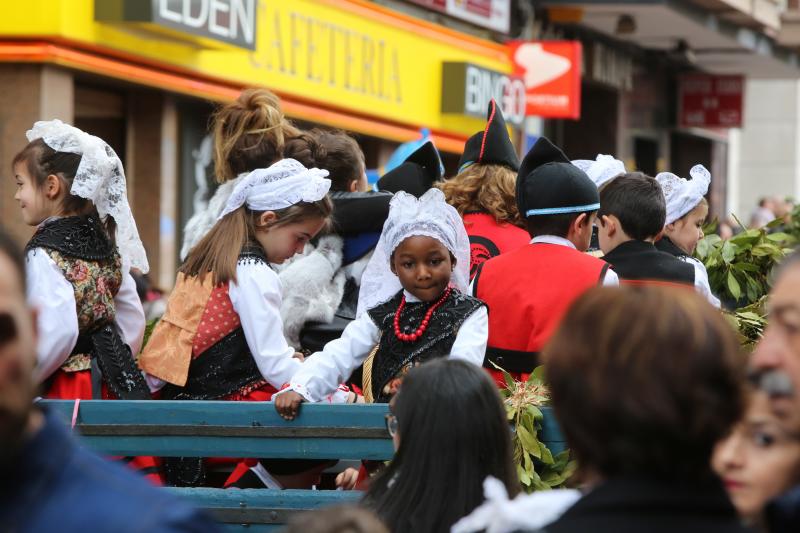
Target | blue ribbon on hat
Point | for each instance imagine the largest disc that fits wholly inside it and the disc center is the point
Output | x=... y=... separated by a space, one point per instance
x=562 y=210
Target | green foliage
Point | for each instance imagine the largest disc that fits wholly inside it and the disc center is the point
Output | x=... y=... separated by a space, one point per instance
x=740 y=270
x=148 y=330
x=537 y=468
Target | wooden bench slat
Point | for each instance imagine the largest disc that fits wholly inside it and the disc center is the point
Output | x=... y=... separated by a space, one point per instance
x=215 y=413
x=183 y=430
x=243 y=447
x=242 y=429
x=260 y=510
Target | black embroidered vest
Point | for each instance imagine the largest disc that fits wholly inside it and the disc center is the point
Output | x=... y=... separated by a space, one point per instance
x=394 y=357
x=227 y=367
x=91 y=263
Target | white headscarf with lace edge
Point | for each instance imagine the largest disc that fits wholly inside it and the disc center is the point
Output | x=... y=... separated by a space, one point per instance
x=100 y=178
x=428 y=216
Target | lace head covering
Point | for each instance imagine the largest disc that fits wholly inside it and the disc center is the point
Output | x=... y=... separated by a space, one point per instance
x=602 y=170
x=683 y=195
x=428 y=216
x=282 y=185
x=101 y=179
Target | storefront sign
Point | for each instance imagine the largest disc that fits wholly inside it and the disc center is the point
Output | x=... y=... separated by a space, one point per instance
x=492 y=14
x=467 y=89
x=229 y=21
x=609 y=66
x=551 y=71
x=356 y=57
x=707 y=101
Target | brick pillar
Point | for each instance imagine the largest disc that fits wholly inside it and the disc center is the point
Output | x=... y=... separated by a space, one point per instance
x=143 y=170
x=30 y=93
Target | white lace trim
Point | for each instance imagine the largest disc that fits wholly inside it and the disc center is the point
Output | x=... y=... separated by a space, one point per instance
x=101 y=179
x=526 y=512
x=602 y=170
x=428 y=216
x=683 y=195
x=282 y=185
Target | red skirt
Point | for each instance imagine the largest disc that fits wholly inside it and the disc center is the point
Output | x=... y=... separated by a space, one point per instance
x=78 y=386
x=498 y=378
x=261 y=394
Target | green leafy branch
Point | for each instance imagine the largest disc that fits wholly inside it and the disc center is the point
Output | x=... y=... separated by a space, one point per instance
x=537 y=467
x=740 y=271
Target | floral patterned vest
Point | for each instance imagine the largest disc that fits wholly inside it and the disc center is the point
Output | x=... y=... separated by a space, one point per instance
x=90 y=262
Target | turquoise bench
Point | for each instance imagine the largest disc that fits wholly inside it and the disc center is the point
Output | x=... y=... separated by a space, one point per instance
x=244 y=429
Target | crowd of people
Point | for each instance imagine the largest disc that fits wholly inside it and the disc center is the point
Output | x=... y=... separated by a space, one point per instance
x=301 y=283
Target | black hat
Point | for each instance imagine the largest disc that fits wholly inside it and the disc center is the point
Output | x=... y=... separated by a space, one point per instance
x=416 y=174
x=548 y=184
x=492 y=146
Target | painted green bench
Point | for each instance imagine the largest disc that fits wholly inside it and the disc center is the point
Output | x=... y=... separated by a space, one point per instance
x=244 y=429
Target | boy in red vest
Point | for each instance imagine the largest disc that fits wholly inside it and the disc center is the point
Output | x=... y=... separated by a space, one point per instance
x=529 y=290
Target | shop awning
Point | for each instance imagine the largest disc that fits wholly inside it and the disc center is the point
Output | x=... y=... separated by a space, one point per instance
x=718 y=37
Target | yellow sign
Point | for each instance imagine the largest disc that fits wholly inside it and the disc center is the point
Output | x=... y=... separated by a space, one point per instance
x=347 y=54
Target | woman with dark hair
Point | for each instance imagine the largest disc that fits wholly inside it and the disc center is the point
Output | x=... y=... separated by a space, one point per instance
x=642 y=403
x=450 y=432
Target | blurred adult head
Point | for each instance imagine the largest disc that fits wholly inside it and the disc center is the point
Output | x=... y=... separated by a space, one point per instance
x=644 y=381
x=779 y=348
x=17 y=350
x=451 y=433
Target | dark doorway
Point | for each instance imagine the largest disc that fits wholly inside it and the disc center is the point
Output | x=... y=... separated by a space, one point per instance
x=596 y=131
x=645 y=153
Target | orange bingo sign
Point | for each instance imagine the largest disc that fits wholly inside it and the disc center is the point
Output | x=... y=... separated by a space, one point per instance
x=552 y=74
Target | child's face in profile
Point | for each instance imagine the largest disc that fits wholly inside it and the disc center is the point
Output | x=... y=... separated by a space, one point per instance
x=687 y=231
x=760 y=459
x=423 y=265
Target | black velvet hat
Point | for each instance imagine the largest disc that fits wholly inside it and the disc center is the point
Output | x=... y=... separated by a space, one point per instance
x=416 y=174
x=492 y=146
x=548 y=184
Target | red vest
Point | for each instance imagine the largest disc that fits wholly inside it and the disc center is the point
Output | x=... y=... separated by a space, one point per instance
x=489 y=239
x=218 y=320
x=528 y=291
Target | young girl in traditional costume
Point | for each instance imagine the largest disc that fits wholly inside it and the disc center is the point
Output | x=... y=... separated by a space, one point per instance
x=71 y=185
x=687 y=210
x=413 y=307
x=221 y=337
x=249 y=133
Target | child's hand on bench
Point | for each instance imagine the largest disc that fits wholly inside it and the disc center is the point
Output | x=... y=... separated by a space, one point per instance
x=347 y=479
x=287 y=404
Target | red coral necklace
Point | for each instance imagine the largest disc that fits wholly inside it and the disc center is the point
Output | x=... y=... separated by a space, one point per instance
x=412 y=337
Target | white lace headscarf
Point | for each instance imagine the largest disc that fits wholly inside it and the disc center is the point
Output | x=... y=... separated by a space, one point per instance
x=683 y=195
x=101 y=179
x=602 y=170
x=428 y=216
x=282 y=185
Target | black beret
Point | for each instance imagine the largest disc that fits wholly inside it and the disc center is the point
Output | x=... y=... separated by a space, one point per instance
x=548 y=184
x=492 y=146
x=416 y=174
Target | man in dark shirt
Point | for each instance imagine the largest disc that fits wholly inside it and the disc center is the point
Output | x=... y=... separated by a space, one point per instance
x=47 y=481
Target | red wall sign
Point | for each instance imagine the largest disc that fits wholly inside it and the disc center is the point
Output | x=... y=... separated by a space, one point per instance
x=552 y=74
x=709 y=101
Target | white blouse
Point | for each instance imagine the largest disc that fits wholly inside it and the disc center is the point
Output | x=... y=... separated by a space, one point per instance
x=701 y=283
x=256 y=298
x=53 y=297
x=322 y=372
